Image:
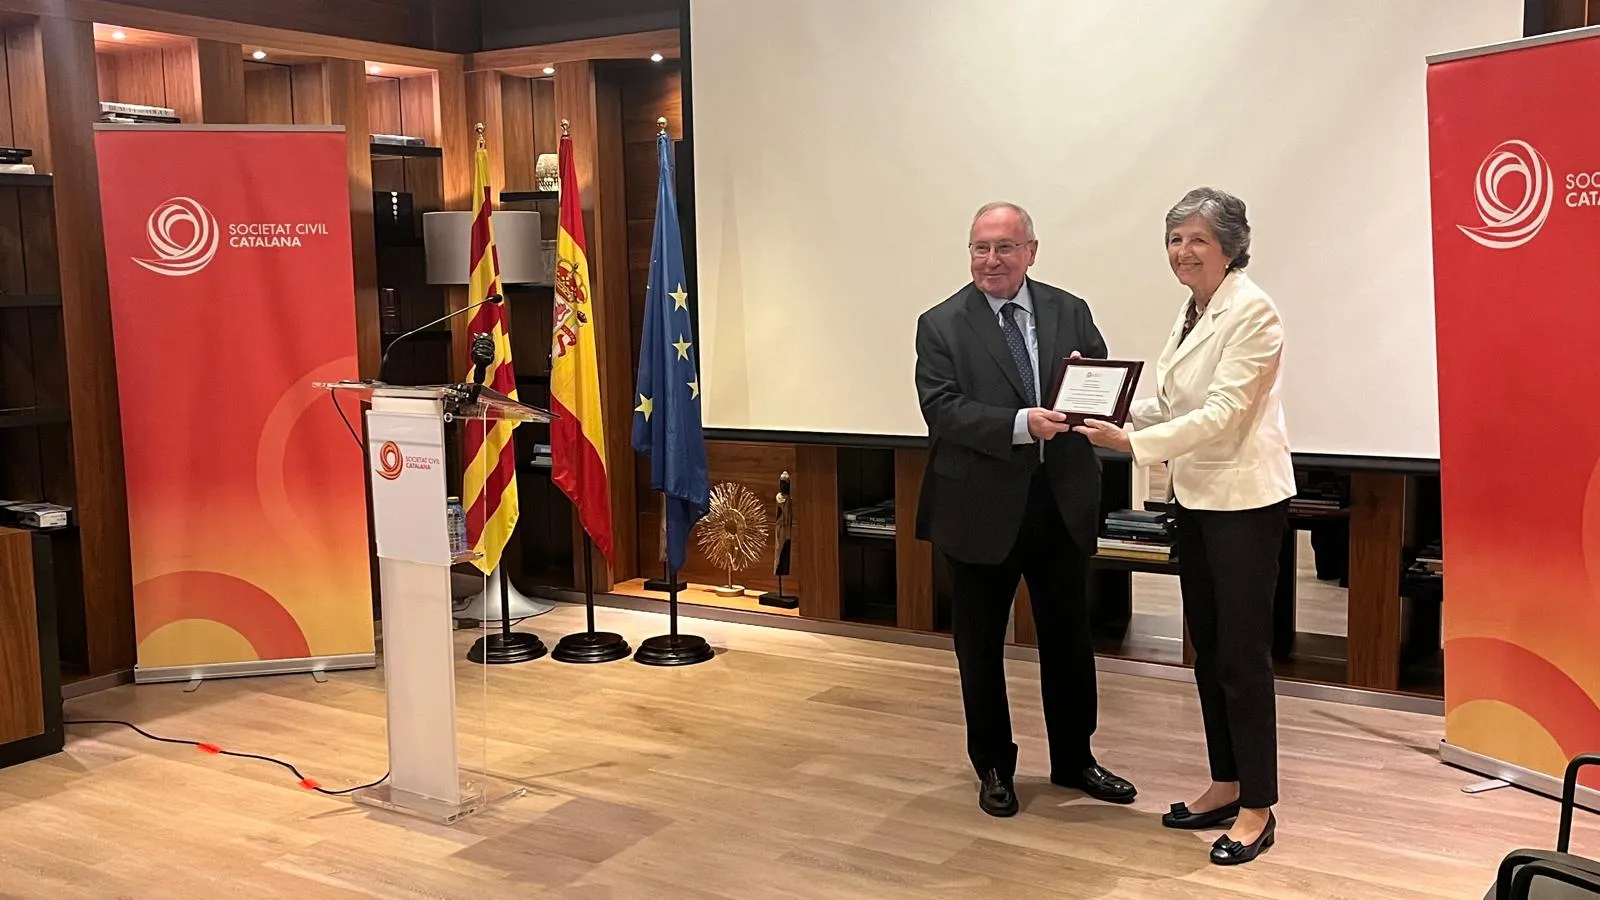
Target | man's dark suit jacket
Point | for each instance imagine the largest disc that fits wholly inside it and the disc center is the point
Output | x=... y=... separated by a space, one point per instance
x=975 y=487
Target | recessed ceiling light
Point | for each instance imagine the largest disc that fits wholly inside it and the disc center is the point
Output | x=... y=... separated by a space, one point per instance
x=549 y=70
x=373 y=70
x=118 y=36
x=656 y=57
x=259 y=54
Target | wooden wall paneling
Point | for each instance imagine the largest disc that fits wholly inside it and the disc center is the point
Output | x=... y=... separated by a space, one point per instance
x=325 y=32
x=649 y=93
x=1024 y=630
x=546 y=124
x=268 y=94
x=530 y=60
x=25 y=83
x=614 y=324
x=308 y=94
x=516 y=124
x=1377 y=521
x=105 y=76
x=219 y=74
x=55 y=91
x=383 y=105
x=419 y=115
x=817 y=529
x=345 y=87
x=180 y=78
x=458 y=142
x=21 y=686
x=913 y=557
x=141 y=78
x=484 y=106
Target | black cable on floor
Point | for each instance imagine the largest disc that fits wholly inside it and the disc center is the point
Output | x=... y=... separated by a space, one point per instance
x=205 y=747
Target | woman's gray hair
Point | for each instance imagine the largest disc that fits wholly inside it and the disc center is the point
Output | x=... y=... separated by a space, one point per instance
x=1224 y=214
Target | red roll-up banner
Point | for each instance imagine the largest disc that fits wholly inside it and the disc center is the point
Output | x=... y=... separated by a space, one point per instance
x=232 y=292
x=1515 y=163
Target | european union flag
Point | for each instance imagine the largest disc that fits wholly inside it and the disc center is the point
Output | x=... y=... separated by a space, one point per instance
x=666 y=423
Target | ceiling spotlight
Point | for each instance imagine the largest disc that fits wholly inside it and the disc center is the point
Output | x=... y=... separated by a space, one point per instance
x=549 y=70
x=118 y=36
x=259 y=54
x=373 y=70
x=656 y=57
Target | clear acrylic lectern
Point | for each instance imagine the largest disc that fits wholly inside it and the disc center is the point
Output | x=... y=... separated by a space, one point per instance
x=407 y=473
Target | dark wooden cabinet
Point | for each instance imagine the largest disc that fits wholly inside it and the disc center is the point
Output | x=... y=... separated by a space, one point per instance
x=30 y=667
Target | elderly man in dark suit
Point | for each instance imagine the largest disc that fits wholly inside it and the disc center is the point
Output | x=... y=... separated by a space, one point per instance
x=1011 y=492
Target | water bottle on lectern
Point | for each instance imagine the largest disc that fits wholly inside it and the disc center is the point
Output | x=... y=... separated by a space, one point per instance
x=456 y=516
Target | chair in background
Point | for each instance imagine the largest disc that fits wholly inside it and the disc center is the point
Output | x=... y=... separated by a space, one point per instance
x=1543 y=875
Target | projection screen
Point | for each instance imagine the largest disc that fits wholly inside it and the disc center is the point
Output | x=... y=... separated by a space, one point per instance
x=842 y=146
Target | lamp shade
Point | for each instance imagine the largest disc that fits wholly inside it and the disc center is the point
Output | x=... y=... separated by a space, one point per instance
x=447 y=239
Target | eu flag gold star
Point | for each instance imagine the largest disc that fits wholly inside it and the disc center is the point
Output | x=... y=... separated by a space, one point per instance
x=680 y=298
x=682 y=347
x=646 y=406
x=694 y=388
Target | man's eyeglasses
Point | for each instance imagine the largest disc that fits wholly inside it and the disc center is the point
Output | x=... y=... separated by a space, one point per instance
x=1003 y=249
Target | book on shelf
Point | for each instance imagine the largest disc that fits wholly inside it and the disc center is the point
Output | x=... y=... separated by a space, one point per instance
x=876 y=520
x=1138 y=534
x=399 y=140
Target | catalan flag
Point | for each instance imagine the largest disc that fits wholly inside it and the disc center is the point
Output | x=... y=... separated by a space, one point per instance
x=490 y=480
x=577 y=436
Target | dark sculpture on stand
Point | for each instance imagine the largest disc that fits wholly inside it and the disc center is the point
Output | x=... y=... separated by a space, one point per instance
x=783 y=538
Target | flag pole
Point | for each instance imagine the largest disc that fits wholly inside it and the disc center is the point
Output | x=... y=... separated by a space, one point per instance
x=590 y=646
x=506 y=647
x=671 y=398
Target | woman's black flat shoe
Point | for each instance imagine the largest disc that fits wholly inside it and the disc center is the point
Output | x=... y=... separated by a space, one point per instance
x=1181 y=817
x=1229 y=852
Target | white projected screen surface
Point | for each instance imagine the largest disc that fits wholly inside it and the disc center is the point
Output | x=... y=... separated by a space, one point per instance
x=842 y=146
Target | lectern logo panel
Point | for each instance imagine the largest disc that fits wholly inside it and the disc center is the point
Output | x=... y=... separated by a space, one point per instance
x=183 y=235
x=391 y=462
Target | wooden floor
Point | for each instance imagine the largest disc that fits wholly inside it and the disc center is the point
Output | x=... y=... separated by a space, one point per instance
x=793 y=765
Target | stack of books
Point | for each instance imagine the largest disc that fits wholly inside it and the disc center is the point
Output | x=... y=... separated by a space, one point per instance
x=876 y=520
x=399 y=140
x=132 y=113
x=1146 y=535
x=34 y=515
x=1428 y=567
x=541 y=456
x=1320 y=499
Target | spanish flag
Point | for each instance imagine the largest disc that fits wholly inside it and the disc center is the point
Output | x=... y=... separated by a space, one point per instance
x=490 y=481
x=577 y=437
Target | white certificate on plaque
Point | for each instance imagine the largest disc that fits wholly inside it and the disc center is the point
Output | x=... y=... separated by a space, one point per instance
x=1091 y=390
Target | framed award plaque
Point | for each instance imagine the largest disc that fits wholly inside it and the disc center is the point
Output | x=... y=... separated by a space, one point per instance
x=1094 y=389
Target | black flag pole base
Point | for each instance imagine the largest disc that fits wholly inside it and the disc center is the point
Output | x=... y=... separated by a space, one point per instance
x=674 y=650
x=506 y=648
x=665 y=587
x=782 y=601
x=591 y=647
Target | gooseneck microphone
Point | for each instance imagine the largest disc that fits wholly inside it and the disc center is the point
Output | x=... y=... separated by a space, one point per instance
x=482 y=357
x=383 y=365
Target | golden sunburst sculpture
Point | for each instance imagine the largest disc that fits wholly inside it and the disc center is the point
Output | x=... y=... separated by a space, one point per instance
x=733 y=534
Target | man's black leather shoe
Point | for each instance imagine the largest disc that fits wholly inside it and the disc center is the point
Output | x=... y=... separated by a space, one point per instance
x=1098 y=783
x=996 y=796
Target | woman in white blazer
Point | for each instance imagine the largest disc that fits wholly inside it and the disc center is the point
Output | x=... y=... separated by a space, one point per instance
x=1217 y=421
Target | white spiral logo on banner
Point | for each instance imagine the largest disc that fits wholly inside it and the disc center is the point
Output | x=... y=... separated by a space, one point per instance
x=1512 y=224
x=184 y=236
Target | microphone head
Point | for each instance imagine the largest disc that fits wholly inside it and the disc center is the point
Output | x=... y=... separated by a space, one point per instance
x=482 y=349
x=496 y=299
